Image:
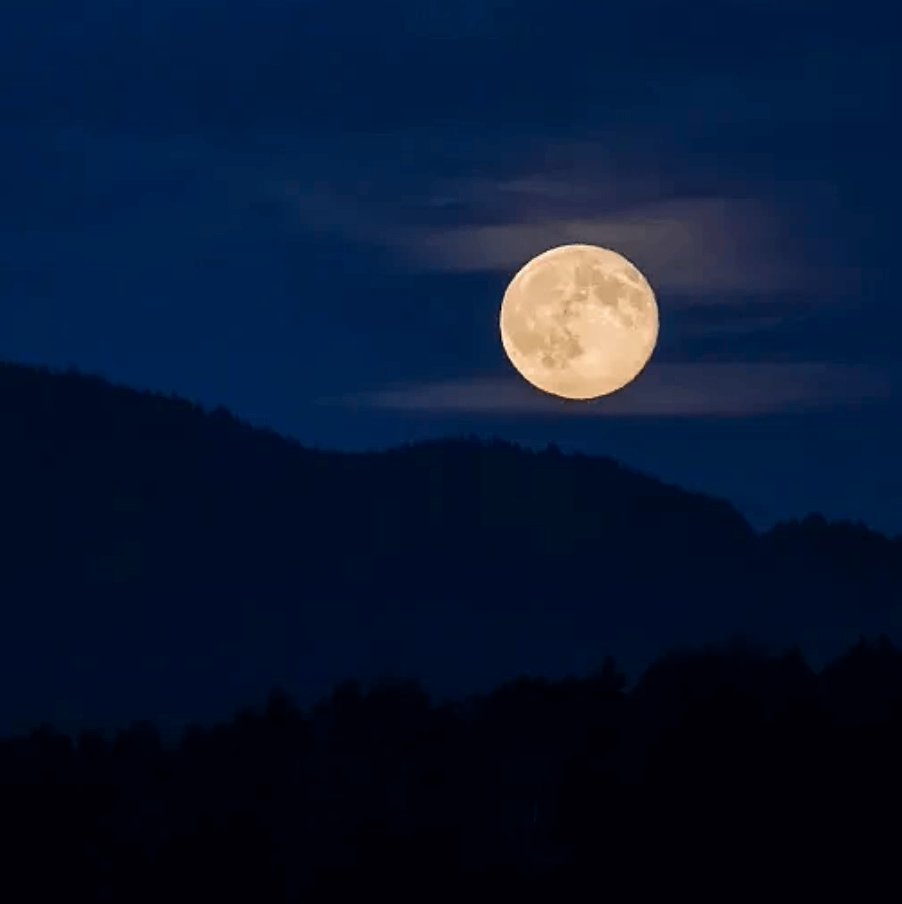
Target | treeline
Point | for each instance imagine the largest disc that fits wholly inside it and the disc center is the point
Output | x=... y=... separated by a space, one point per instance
x=143 y=540
x=724 y=768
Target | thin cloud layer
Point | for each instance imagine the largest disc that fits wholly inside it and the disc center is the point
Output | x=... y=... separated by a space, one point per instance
x=194 y=192
x=662 y=390
x=686 y=245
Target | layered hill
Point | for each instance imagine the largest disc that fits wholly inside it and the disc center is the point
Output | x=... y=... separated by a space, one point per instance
x=148 y=545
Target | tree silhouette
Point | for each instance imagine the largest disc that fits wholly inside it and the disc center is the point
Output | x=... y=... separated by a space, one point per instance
x=144 y=512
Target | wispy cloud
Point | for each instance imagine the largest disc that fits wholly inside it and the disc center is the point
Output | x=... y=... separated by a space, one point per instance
x=682 y=390
x=687 y=245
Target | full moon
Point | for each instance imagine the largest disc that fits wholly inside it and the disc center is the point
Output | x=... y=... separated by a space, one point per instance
x=579 y=321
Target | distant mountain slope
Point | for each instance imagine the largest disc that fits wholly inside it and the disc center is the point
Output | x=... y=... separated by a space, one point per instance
x=139 y=486
x=140 y=532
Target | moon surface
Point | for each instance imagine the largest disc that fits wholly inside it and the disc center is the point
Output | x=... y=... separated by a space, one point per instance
x=579 y=321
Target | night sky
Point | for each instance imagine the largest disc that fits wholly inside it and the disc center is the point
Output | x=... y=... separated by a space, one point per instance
x=309 y=211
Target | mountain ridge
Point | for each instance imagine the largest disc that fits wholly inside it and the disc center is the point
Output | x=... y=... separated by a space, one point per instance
x=145 y=536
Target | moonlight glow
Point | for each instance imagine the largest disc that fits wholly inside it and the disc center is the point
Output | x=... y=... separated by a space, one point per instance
x=579 y=321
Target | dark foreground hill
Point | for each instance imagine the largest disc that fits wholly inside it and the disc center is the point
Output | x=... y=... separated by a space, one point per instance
x=162 y=561
x=724 y=771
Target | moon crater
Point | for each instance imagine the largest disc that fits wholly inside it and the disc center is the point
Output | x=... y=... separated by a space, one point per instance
x=579 y=321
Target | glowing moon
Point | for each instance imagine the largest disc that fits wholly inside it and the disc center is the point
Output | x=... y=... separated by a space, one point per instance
x=579 y=321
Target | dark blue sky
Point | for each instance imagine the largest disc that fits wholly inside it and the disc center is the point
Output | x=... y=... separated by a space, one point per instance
x=309 y=211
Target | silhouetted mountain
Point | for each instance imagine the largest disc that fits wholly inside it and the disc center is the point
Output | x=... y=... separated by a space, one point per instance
x=158 y=558
x=197 y=559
